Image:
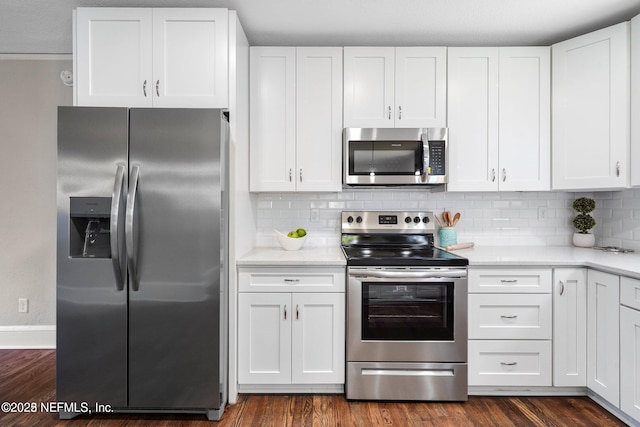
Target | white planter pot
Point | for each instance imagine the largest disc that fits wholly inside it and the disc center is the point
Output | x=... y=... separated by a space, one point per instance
x=584 y=240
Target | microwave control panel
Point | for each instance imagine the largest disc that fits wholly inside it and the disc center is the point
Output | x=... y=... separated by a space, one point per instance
x=436 y=158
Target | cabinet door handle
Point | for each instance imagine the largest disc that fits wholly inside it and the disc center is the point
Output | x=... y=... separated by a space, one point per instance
x=158 y=88
x=300 y=174
x=508 y=363
x=504 y=316
x=617 y=168
x=561 y=287
x=504 y=174
x=144 y=88
x=285 y=312
x=297 y=312
x=290 y=175
x=509 y=281
x=399 y=112
x=493 y=175
x=389 y=112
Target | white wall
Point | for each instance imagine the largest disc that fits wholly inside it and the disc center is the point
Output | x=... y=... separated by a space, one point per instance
x=487 y=218
x=30 y=91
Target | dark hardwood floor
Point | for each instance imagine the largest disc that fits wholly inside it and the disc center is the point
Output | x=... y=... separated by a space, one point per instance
x=28 y=376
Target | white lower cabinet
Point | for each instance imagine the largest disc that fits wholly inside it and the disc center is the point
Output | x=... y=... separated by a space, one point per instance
x=570 y=327
x=293 y=333
x=603 y=335
x=630 y=347
x=510 y=327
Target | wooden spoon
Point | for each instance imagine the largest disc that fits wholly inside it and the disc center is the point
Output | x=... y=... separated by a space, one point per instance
x=446 y=216
x=456 y=218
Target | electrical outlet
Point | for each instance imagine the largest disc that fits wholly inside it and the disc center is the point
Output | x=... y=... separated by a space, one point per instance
x=542 y=213
x=23 y=305
x=315 y=215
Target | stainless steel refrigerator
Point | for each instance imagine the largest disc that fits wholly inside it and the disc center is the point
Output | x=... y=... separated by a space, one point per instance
x=141 y=252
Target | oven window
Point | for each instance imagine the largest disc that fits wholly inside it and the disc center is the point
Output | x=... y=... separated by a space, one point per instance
x=407 y=311
x=385 y=157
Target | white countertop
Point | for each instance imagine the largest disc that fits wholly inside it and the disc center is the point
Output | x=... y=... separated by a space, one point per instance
x=535 y=256
x=553 y=256
x=319 y=255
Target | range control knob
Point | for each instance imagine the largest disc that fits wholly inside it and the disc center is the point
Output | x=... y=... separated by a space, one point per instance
x=416 y=219
x=359 y=219
x=407 y=220
x=426 y=220
x=350 y=219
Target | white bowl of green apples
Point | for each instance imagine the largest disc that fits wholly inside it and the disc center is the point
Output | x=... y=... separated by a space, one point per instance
x=293 y=240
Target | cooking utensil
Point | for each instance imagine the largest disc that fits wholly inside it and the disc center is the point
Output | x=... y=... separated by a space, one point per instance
x=456 y=218
x=446 y=216
x=438 y=219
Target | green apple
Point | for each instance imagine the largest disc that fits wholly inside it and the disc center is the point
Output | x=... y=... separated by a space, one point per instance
x=293 y=234
x=301 y=232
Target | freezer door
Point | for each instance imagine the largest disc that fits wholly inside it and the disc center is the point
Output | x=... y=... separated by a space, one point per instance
x=173 y=244
x=91 y=327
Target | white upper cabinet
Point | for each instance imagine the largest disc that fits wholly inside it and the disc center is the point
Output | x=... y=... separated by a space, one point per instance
x=395 y=87
x=499 y=119
x=143 y=57
x=591 y=110
x=635 y=101
x=296 y=119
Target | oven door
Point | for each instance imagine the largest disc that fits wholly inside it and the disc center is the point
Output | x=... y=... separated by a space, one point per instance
x=407 y=314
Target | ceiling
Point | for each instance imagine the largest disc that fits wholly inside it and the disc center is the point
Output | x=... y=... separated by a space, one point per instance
x=44 y=26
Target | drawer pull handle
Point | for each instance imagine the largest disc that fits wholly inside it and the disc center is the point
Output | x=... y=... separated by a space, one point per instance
x=291 y=280
x=508 y=363
x=509 y=281
x=509 y=317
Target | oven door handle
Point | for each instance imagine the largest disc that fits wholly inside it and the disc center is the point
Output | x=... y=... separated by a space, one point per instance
x=410 y=274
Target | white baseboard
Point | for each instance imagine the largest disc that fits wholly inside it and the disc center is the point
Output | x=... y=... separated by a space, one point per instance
x=27 y=336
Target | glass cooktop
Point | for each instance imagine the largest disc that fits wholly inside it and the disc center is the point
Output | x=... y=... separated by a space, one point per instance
x=402 y=256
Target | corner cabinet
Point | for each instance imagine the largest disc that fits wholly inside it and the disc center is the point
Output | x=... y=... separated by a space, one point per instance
x=395 y=87
x=152 y=57
x=499 y=118
x=291 y=329
x=591 y=110
x=296 y=119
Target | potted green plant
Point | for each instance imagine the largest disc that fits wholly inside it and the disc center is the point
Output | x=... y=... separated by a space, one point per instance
x=583 y=222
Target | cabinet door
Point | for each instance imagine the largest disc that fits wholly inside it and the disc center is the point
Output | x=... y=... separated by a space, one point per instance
x=113 y=57
x=603 y=339
x=473 y=119
x=570 y=327
x=524 y=132
x=368 y=87
x=630 y=361
x=272 y=118
x=635 y=101
x=264 y=338
x=591 y=110
x=319 y=119
x=318 y=338
x=421 y=87
x=190 y=57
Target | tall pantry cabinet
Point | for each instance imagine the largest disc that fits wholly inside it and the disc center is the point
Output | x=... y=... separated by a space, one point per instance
x=151 y=57
x=296 y=119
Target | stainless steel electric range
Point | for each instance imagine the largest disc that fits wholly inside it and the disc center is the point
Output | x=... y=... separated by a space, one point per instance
x=406 y=309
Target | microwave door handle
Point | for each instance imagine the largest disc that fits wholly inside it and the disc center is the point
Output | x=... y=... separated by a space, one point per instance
x=425 y=157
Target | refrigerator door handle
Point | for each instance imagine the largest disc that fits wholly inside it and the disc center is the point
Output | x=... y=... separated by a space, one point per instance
x=128 y=226
x=116 y=200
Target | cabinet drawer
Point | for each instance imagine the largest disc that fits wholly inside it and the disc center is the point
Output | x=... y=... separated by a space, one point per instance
x=510 y=280
x=510 y=363
x=630 y=292
x=495 y=316
x=291 y=279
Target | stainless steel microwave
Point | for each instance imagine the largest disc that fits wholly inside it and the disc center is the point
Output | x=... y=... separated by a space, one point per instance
x=394 y=156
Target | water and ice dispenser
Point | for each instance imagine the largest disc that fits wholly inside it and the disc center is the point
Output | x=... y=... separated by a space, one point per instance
x=90 y=227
